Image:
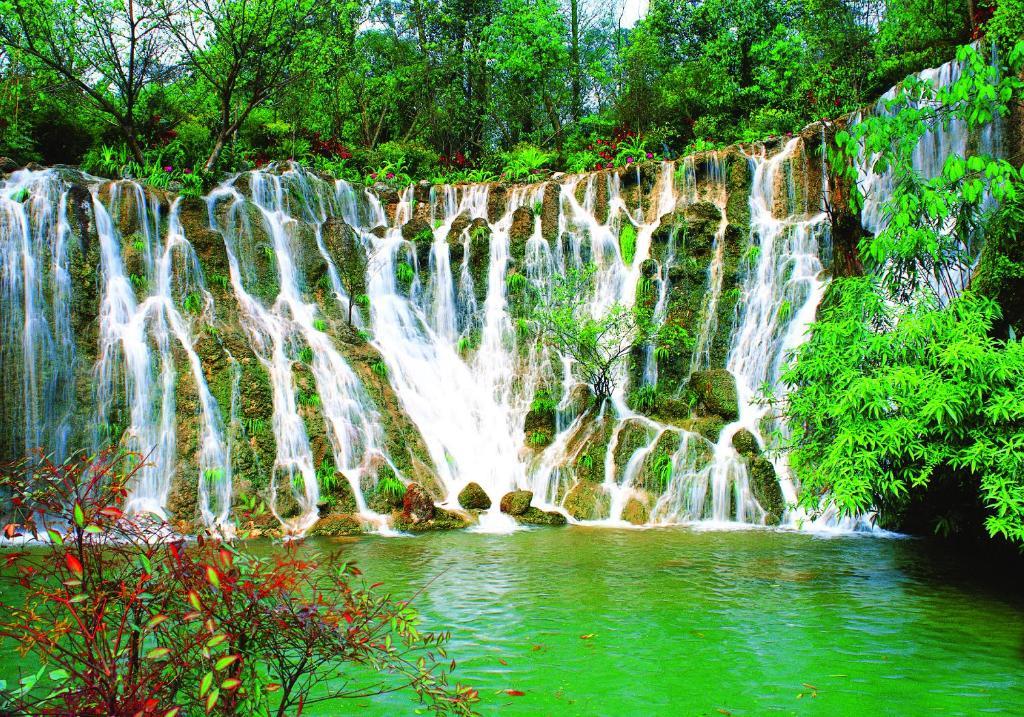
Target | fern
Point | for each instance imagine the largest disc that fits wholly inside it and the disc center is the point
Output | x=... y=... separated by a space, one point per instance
x=627 y=242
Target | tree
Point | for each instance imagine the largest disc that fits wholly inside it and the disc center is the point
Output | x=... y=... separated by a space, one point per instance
x=243 y=49
x=113 y=52
x=597 y=345
x=904 y=389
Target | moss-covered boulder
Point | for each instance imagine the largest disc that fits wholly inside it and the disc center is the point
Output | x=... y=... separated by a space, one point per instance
x=588 y=501
x=336 y=525
x=539 y=428
x=715 y=390
x=765 y=486
x=473 y=497
x=636 y=512
x=417 y=505
x=441 y=520
x=745 y=444
x=536 y=516
x=708 y=426
x=516 y=502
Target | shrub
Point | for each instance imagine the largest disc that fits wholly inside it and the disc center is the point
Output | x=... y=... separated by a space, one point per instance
x=525 y=163
x=126 y=625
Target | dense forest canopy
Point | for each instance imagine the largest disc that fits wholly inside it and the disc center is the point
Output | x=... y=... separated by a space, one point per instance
x=440 y=89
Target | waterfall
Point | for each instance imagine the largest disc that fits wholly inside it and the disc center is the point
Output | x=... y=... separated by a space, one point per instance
x=37 y=353
x=153 y=322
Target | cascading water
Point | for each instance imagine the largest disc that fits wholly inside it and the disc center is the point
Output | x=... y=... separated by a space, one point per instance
x=37 y=353
x=441 y=328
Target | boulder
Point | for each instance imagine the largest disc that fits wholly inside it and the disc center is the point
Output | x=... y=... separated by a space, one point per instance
x=635 y=512
x=417 y=505
x=536 y=516
x=517 y=502
x=716 y=393
x=765 y=486
x=588 y=501
x=473 y=497
x=336 y=525
x=745 y=444
x=441 y=520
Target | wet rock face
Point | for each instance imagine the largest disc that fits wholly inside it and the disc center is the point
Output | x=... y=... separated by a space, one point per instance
x=716 y=394
x=473 y=497
x=517 y=502
x=765 y=486
x=746 y=444
x=417 y=506
x=587 y=501
x=635 y=512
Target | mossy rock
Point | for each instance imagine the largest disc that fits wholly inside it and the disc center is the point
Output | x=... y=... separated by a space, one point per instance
x=716 y=393
x=765 y=486
x=441 y=520
x=536 y=516
x=335 y=526
x=521 y=229
x=708 y=426
x=479 y=262
x=632 y=436
x=540 y=429
x=588 y=501
x=474 y=497
x=746 y=444
x=636 y=512
x=516 y=502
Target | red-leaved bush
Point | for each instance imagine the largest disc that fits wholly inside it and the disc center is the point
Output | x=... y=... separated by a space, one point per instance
x=126 y=619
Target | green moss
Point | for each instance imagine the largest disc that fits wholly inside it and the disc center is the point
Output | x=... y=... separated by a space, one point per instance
x=588 y=501
x=716 y=394
x=536 y=516
x=336 y=525
x=442 y=520
x=764 y=484
x=516 y=502
x=636 y=512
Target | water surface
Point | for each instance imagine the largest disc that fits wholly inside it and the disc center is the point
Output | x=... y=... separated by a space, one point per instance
x=684 y=622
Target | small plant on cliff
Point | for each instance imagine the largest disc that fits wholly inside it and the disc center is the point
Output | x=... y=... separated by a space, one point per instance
x=627 y=242
x=254 y=426
x=391 y=486
x=597 y=345
x=306 y=354
x=543 y=402
x=326 y=475
x=585 y=461
x=129 y=625
x=539 y=438
x=515 y=283
x=661 y=471
x=645 y=398
x=308 y=399
x=320 y=324
x=380 y=369
x=192 y=303
x=222 y=281
x=404 y=274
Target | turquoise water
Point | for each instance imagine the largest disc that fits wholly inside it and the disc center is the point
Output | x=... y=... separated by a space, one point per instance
x=682 y=622
x=707 y=623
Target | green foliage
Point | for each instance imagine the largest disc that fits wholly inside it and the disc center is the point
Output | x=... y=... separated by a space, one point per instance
x=404 y=274
x=306 y=354
x=597 y=345
x=627 y=242
x=390 y=486
x=644 y=398
x=326 y=475
x=538 y=438
x=307 y=399
x=525 y=163
x=888 y=400
x=192 y=303
x=254 y=426
x=661 y=470
x=380 y=369
x=544 y=402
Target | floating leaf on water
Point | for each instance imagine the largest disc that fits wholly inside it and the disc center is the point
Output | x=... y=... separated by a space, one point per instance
x=588 y=636
x=514 y=693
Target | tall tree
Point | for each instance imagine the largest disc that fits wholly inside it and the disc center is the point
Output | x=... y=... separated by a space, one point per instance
x=113 y=52
x=244 y=49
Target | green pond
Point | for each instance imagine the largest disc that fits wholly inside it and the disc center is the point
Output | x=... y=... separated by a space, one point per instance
x=683 y=622
x=707 y=623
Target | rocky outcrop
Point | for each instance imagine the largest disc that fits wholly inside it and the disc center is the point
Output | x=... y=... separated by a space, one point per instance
x=473 y=497
x=516 y=502
x=536 y=516
x=417 y=505
x=588 y=501
x=715 y=391
x=765 y=486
